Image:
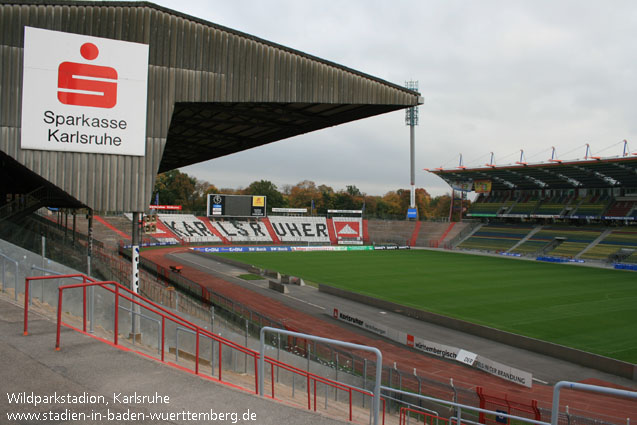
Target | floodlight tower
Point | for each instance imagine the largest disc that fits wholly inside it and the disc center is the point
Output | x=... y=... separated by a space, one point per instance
x=411 y=119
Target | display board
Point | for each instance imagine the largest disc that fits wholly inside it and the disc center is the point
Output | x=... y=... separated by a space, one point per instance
x=236 y=205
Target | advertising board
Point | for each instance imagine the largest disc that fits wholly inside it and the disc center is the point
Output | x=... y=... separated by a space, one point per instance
x=83 y=94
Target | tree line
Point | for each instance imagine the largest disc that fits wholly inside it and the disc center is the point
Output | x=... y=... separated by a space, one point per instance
x=177 y=188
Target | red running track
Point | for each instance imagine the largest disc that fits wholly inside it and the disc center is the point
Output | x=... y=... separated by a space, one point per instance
x=428 y=367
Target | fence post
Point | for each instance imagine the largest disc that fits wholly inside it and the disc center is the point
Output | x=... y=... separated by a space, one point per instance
x=43 y=250
x=308 y=352
x=4 y=279
x=364 y=378
x=278 y=352
x=245 y=356
x=116 y=326
x=336 y=389
x=91 y=307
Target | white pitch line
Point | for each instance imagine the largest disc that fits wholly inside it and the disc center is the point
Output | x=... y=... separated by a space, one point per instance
x=247 y=281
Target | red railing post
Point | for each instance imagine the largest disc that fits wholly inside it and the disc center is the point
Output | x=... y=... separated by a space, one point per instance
x=309 y=401
x=536 y=411
x=350 y=404
x=383 y=400
x=26 y=306
x=220 y=351
x=83 y=303
x=482 y=403
x=272 y=377
x=163 y=338
x=59 y=324
x=116 y=326
x=256 y=376
x=197 y=352
x=315 y=395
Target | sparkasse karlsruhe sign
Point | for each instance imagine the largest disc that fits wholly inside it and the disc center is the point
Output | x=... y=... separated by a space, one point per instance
x=83 y=94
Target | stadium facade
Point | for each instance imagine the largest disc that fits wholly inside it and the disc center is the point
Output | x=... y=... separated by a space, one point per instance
x=209 y=91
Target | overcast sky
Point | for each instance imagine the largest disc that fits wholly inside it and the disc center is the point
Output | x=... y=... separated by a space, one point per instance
x=497 y=76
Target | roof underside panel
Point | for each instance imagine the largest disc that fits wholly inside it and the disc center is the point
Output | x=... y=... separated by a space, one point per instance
x=212 y=130
x=606 y=173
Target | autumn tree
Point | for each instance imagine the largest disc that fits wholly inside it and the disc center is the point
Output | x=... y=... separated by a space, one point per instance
x=302 y=194
x=176 y=188
x=266 y=188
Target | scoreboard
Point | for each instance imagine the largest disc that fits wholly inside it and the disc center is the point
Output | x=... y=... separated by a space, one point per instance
x=236 y=205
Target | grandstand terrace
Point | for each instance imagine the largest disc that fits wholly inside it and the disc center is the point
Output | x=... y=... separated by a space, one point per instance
x=583 y=209
x=584 y=189
x=390 y=231
x=613 y=243
x=496 y=237
x=562 y=241
x=301 y=229
x=189 y=228
x=242 y=231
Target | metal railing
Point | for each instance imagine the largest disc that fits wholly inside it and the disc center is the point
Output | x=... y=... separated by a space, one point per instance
x=459 y=408
x=122 y=293
x=373 y=350
x=404 y=380
x=583 y=387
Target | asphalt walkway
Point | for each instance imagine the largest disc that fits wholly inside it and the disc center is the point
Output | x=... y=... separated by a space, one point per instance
x=90 y=382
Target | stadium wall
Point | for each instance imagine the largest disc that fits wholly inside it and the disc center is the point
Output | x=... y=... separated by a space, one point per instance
x=594 y=361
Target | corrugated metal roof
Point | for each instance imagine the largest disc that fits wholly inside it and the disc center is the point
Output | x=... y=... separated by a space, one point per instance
x=595 y=173
x=211 y=91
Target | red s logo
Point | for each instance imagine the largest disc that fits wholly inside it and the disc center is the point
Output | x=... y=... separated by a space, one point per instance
x=87 y=85
x=410 y=340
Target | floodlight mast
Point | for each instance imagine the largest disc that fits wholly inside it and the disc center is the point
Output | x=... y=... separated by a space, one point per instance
x=411 y=119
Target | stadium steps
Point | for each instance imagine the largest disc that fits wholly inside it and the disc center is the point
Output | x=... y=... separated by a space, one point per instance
x=273 y=235
x=112 y=227
x=331 y=232
x=430 y=231
x=458 y=230
x=164 y=233
x=526 y=238
x=557 y=241
x=595 y=242
x=444 y=235
x=214 y=230
x=365 y=231
x=414 y=235
x=460 y=238
x=390 y=231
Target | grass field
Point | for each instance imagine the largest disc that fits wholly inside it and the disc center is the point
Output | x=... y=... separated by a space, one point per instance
x=586 y=308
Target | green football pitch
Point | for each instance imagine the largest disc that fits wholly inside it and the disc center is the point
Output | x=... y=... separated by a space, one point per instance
x=591 y=309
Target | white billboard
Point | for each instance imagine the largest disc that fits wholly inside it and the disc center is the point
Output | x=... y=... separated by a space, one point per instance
x=83 y=94
x=500 y=370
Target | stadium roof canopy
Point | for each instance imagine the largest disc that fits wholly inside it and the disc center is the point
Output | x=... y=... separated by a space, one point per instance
x=211 y=91
x=590 y=173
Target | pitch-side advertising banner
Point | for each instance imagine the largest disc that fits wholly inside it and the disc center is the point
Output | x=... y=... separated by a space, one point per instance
x=83 y=94
x=441 y=350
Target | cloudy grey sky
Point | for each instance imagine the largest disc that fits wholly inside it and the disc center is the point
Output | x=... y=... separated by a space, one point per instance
x=497 y=76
